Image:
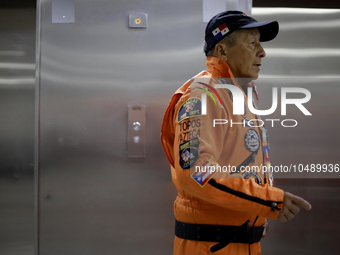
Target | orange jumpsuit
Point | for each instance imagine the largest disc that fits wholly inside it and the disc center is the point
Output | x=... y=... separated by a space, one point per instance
x=221 y=197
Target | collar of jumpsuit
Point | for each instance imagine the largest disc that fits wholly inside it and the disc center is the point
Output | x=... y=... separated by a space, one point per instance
x=219 y=68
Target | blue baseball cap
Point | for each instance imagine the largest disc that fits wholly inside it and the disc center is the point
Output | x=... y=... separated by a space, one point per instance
x=227 y=22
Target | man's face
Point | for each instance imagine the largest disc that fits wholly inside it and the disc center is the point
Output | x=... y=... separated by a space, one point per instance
x=245 y=58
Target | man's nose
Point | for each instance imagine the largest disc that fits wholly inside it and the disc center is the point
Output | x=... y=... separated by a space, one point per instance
x=261 y=53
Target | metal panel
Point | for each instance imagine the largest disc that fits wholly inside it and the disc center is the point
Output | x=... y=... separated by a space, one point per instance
x=93 y=199
x=304 y=54
x=17 y=53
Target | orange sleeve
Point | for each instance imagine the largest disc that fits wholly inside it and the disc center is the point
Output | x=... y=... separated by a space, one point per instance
x=227 y=191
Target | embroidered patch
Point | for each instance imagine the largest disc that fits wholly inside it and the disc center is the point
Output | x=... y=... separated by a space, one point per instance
x=248 y=123
x=204 y=174
x=220 y=31
x=252 y=175
x=188 y=153
x=190 y=108
x=189 y=129
x=266 y=154
x=252 y=140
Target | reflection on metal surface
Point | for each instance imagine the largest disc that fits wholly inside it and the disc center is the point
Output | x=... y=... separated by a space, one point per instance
x=17 y=81
x=245 y=6
x=17 y=54
x=87 y=79
x=304 y=79
x=312 y=19
x=213 y=7
x=136 y=126
x=66 y=61
x=136 y=139
x=326 y=25
x=307 y=44
x=273 y=11
x=304 y=53
x=23 y=66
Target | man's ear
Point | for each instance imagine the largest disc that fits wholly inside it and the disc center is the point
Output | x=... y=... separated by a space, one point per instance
x=221 y=51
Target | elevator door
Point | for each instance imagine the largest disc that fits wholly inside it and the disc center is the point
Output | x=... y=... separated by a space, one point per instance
x=95 y=196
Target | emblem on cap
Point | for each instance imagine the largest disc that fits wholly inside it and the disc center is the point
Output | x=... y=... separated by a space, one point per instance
x=220 y=31
x=252 y=140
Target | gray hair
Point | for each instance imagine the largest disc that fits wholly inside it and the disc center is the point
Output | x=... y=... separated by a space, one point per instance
x=229 y=41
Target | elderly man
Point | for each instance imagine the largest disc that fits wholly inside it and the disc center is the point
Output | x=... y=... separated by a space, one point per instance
x=223 y=212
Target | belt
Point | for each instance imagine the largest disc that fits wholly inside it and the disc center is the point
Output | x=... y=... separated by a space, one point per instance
x=219 y=233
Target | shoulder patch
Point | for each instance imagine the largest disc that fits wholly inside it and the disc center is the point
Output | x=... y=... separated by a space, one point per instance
x=188 y=153
x=204 y=174
x=190 y=108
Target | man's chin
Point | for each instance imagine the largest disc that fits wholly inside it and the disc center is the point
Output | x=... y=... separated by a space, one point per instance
x=255 y=76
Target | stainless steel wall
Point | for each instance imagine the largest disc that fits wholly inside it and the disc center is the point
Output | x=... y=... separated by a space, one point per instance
x=93 y=199
x=17 y=82
x=305 y=54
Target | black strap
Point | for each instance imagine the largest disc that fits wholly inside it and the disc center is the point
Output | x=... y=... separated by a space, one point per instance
x=219 y=233
x=244 y=163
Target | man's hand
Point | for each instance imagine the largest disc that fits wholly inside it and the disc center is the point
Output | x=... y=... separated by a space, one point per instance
x=291 y=207
x=265 y=229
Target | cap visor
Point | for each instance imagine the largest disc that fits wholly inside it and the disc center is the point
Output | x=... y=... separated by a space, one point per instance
x=268 y=30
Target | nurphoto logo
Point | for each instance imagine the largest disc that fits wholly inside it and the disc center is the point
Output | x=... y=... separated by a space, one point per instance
x=239 y=104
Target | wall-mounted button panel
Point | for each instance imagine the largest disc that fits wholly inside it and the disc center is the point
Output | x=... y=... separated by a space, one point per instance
x=136 y=130
x=138 y=20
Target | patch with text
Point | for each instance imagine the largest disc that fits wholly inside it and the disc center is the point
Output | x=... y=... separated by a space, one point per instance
x=190 y=108
x=188 y=153
x=189 y=129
